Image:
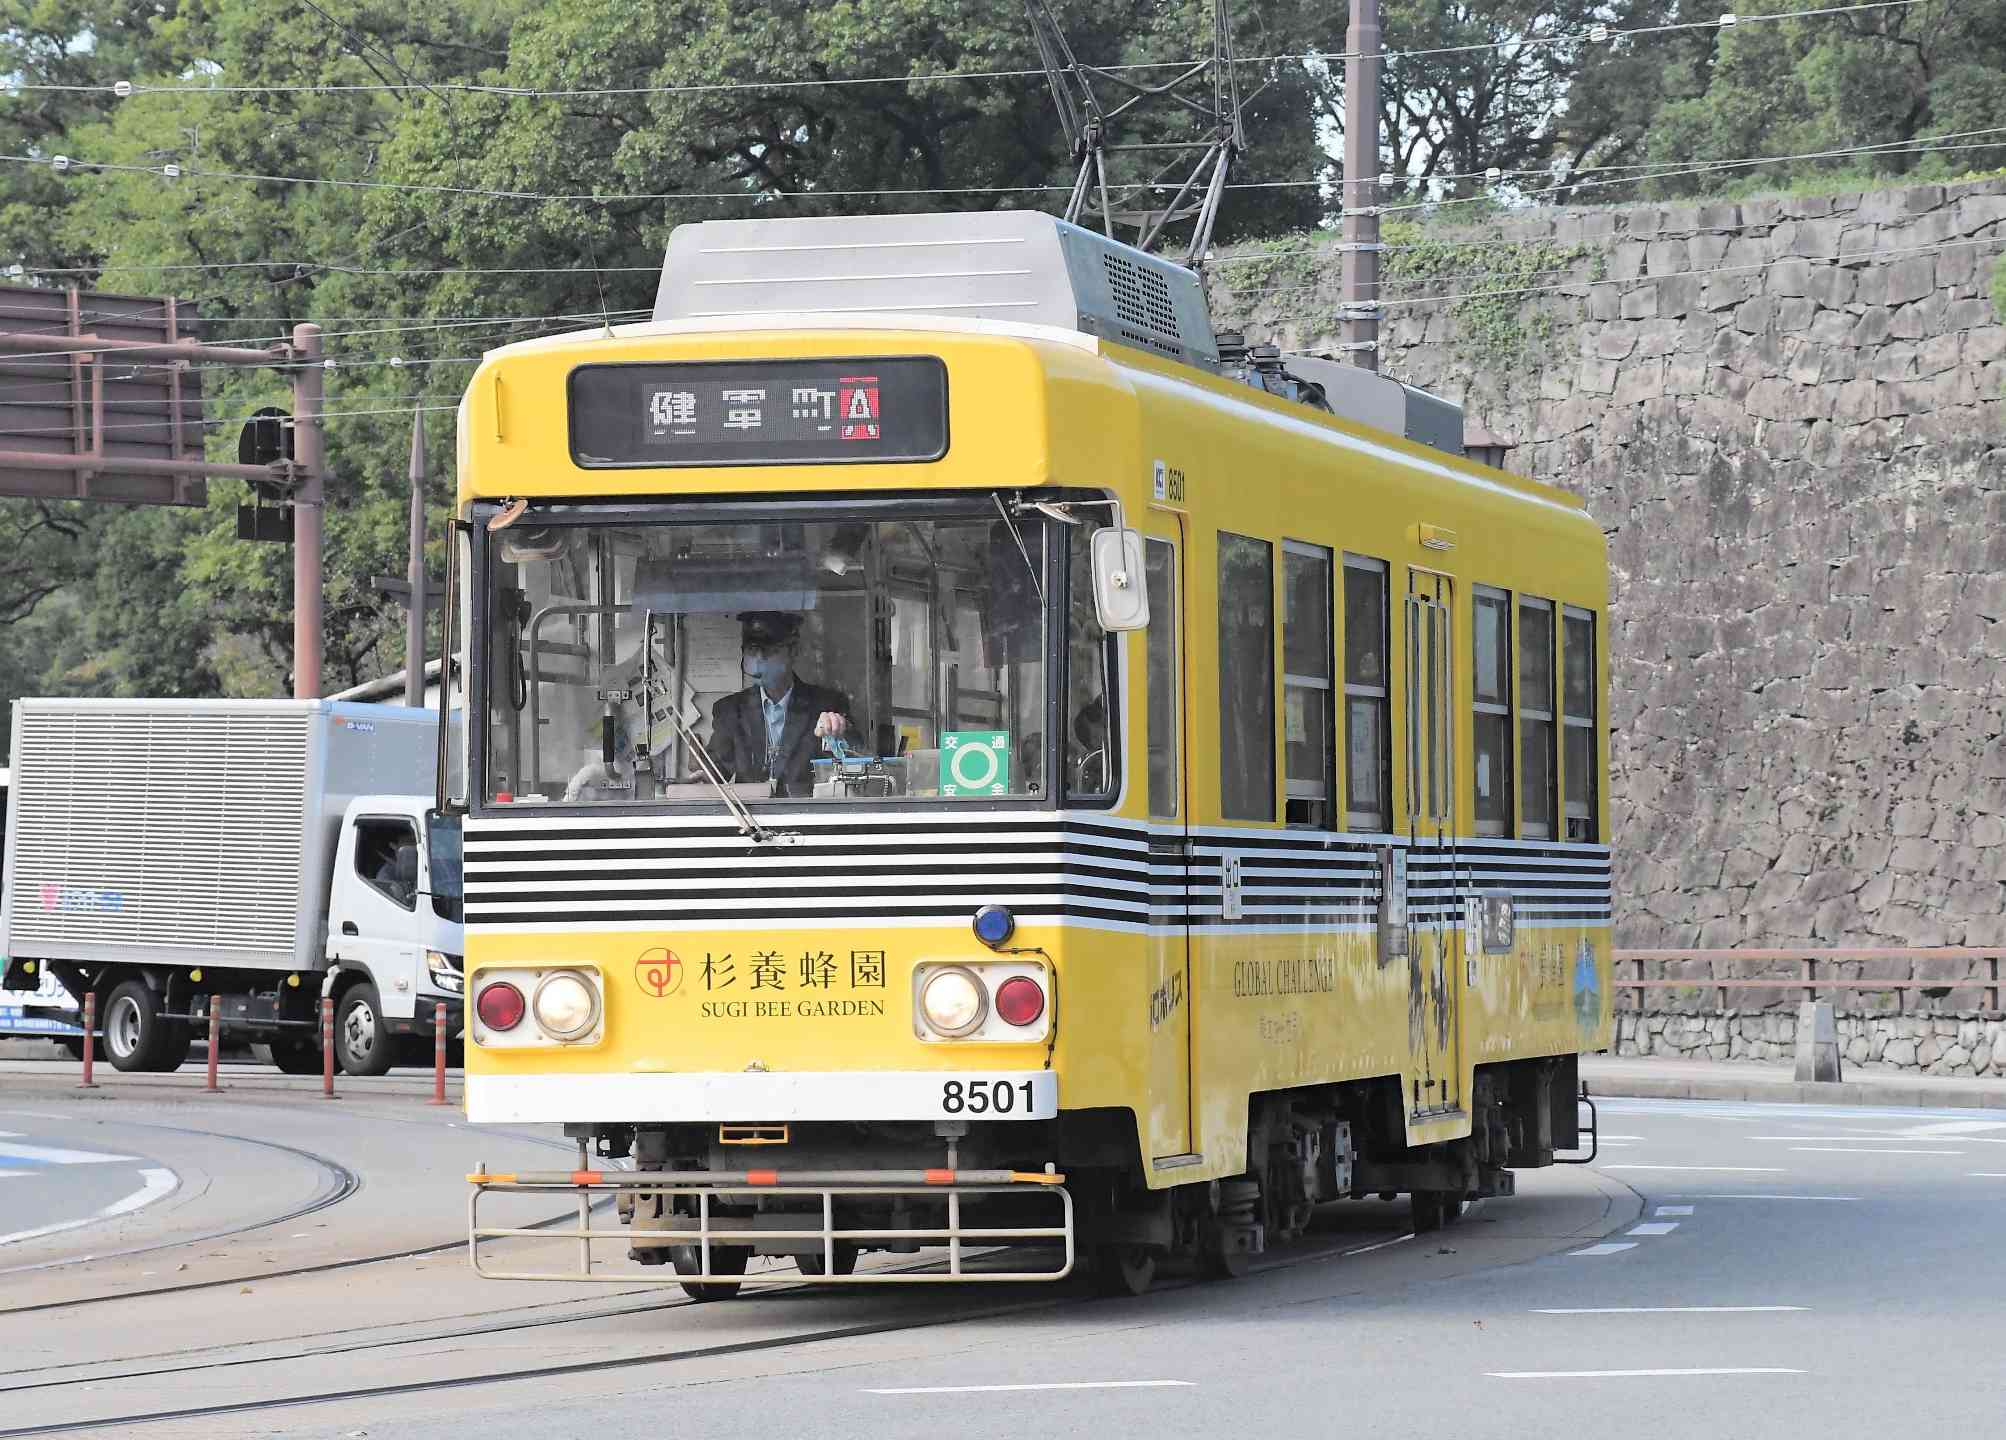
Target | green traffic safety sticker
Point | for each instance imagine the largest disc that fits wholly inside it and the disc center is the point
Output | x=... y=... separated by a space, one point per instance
x=975 y=762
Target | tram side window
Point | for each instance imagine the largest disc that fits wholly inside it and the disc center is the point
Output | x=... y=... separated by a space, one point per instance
x=1578 y=716
x=1246 y=678
x=1535 y=717
x=1306 y=708
x=1491 y=701
x=1366 y=741
x=1160 y=574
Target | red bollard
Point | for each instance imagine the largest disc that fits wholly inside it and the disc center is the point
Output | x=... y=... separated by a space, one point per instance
x=90 y=1038
x=439 y=1053
x=215 y=1040
x=327 y=1048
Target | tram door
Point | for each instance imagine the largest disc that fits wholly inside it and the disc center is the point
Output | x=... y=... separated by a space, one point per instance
x=1435 y=929
x=1167 y=1129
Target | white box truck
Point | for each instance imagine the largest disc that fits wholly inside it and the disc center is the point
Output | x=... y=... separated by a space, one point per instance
x=159 y=852
x=46 y=1012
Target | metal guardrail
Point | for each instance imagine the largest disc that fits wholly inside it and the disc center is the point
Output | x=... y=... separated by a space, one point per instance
x=1808 y=980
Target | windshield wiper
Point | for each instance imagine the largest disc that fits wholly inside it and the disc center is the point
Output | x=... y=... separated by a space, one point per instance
x=1037 y=582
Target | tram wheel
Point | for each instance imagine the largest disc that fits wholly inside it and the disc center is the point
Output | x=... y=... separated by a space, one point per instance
x=846 y=1261
x=1123 y=1270
x=1219 y=1257
x=1434 y=1209
x=724 y=1260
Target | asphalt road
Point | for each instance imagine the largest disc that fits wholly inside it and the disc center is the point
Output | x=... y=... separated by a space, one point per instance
x=1721 y=1270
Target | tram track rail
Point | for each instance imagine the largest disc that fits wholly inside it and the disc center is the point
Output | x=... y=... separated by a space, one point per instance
x=342 y=1182
x=1066 y=1297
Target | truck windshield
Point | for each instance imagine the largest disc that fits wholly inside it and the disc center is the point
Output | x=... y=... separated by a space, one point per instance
x=869 y=658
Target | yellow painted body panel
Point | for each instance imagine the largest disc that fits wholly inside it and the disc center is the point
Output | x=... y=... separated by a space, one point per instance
x=1261 y=1011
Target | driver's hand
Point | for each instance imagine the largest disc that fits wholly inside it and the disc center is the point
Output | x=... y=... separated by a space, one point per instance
x=831 y=723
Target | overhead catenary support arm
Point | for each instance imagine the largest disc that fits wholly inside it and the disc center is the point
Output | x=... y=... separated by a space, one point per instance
x=1208 y=91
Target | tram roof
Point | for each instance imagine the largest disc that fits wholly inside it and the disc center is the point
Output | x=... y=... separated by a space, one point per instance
x=1206 y=385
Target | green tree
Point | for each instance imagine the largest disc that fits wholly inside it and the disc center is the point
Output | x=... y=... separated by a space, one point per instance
x=1513 y=85
x=1795 y=87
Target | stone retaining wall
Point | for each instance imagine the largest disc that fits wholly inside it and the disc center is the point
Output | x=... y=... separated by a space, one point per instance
x=1964 y=1043
x=1786 y=414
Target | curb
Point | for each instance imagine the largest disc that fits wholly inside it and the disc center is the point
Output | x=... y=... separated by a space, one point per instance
x=1973 y=1095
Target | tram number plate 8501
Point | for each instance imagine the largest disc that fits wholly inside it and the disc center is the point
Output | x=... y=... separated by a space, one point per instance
x=987 y=1097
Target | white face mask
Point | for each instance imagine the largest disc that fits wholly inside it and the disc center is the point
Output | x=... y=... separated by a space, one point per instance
x=769 y=671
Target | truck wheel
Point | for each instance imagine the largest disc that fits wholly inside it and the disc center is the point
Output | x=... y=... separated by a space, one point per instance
x=361 y=1044
x=134 y=1033
x=177 y=1037
x=296 y=1057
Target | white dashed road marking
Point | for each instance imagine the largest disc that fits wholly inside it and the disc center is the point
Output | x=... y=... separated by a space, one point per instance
x=1857 y=1150
x=1607 y=1247
x=1055 y=1385
x=1710 y=1169
x=1776 y=1197
x=1654 y=1227
x=1677 y=1310
x=1631 y=1374
x=1675 y=1210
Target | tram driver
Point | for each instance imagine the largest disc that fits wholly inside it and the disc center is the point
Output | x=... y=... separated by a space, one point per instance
x=773 y=727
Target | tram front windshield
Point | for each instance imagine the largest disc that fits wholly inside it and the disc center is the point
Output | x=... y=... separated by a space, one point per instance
x=650 y=662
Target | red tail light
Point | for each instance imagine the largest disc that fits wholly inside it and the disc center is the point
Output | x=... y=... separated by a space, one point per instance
x=1020 y=1000
x=500 y=1006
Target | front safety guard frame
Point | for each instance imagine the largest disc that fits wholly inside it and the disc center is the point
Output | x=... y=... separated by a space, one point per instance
x=935 y=1186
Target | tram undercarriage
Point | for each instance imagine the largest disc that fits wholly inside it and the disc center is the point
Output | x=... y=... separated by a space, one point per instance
x=1033 y=1200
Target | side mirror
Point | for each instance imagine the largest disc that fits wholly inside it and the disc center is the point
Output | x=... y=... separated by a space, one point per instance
x=1121 y=600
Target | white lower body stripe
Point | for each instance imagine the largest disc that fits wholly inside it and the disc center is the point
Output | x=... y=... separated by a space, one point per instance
x=761 y=1097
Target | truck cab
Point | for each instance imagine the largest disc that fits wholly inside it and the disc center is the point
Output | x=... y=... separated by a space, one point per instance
x=394 y=947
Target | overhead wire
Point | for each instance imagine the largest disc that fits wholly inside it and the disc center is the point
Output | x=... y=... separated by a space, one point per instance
x=1673 y=170
x=285 y=337
x=1922 y=144
x=1591 y=34
x=1853 y=259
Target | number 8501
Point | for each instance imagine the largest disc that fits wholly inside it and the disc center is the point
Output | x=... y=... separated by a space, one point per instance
x=984 y=1097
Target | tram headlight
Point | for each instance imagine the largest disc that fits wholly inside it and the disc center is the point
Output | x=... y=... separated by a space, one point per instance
x=953 y=1001
x=566 y=1005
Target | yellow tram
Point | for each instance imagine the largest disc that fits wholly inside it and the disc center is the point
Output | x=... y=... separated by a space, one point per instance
x=1211 y=823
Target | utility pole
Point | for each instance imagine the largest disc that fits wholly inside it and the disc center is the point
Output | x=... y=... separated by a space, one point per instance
x=1360 y=233
x=414 y=623
x=310 y=453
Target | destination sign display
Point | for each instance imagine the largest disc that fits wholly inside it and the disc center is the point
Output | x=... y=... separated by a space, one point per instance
x=760 y=412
